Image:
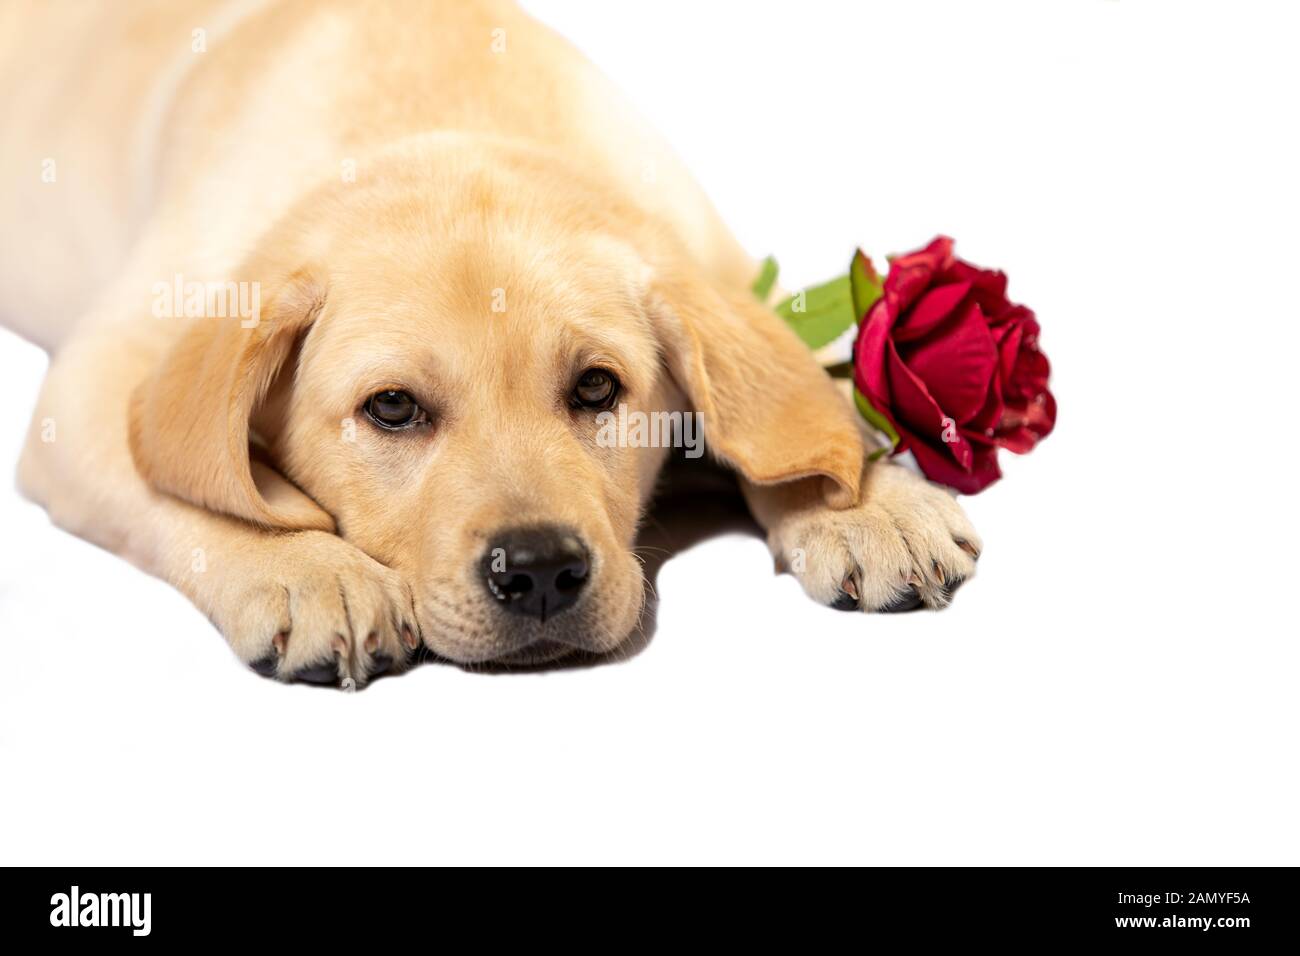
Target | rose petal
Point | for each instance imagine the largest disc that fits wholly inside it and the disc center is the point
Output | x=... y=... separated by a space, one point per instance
x=1022 y=428
x=911 y=274
x=956 y=364
x=982 y=472
x=1042 y=416
x=1029 y=375
x=988 y=286
x=935 y=256
x=1018 y=441
x=870 y=354
x=906 y=285
x=984 y=422
x=916 y=411
x=930 y=309
x=1008 y=337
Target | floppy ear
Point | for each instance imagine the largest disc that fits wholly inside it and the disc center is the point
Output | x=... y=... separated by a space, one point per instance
x=768 y=408
x=190 y=418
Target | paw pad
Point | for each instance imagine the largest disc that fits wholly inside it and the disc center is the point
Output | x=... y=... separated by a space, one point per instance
x=908 y=600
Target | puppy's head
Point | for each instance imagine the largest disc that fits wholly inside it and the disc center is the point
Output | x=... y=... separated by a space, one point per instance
x=442 y=350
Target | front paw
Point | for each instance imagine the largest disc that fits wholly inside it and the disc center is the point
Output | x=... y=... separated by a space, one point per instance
x=310 y=607
x=906 y=545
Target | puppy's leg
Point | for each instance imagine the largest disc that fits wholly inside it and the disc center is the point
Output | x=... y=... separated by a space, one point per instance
x=301 y=605
x=906 y=544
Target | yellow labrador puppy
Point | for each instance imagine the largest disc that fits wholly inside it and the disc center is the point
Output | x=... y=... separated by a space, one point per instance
x=337 y=294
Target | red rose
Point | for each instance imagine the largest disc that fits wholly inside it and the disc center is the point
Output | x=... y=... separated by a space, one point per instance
x=954 y=367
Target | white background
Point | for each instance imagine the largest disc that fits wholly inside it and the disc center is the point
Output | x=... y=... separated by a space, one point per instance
x=1118 y=686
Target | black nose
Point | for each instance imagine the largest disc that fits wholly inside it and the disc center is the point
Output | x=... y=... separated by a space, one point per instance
x=536 y=571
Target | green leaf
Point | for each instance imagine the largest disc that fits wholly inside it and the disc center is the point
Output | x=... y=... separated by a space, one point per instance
x=766 y=278
x=866 y=285
x=877 y=421
x=820 y=314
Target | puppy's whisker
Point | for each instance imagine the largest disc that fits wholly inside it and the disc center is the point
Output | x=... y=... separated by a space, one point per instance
x=652 y=548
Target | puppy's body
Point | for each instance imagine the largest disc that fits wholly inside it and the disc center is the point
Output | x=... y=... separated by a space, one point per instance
x=439 y=198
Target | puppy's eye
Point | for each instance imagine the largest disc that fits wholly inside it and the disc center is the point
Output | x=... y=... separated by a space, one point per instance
x=597 y=388
x=393 y=409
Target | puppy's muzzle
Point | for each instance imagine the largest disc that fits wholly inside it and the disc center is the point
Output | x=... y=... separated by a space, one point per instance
x=538 y=571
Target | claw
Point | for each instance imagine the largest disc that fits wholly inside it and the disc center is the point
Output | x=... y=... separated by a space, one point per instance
x=849 y=598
